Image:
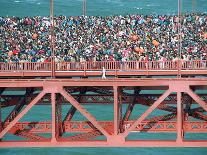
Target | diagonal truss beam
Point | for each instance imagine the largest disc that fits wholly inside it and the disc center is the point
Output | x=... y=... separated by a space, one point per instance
x=59 y=116
x=15 y=111
x=188 y=103
x=147 y=112
x=162 y=106
x=198 y=109
x=197 y=99
x=11 y=102
x=199 y=115
x=153 y=121
x=26 y=134
x=131 y=105
x=83 y=136
x=18 y=107
x=31 y=136
x=166 y=117
x=84 y=112
x=30 y=105
x=1 y=126
x=71 y=112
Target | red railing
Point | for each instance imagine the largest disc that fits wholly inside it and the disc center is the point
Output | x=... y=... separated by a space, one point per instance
x=25 y=66
x=194 y=65
x=117 y=65
x=108 y=65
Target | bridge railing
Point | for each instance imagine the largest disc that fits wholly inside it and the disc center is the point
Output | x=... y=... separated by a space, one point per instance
x=108 y=65
x=163 y=65
x=194 y=65
x=117 y=65
x=25 y=66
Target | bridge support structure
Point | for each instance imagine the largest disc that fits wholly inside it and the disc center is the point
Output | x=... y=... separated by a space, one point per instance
x=110 y=123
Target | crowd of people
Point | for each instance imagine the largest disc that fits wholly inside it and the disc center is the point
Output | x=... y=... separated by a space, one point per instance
x=96 y=38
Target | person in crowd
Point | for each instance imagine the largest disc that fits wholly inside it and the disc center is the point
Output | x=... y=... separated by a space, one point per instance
x=110 y=38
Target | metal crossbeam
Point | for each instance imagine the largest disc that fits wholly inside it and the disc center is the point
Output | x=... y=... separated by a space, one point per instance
x=163 y=125
x=115 y=131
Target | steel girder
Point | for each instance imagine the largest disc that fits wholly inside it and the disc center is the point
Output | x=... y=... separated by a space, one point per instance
x=117 y=130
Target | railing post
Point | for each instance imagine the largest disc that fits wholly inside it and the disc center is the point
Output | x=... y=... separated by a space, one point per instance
x=26 y=65
x=21 y=68
x=85 y=68
x=115 y=68
x=179 y=68
x=147 y=68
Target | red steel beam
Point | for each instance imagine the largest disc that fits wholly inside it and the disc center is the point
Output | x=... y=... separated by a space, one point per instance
x=55 y=131
x=70 y=114
x=59 y=117
x=199 y=115
x=25 y=133
x=20 y=115
x=120 y=101
x=34 y=127
x=117 y=111
x=180 y=133
x=188 y=102
x=94 y=99
x=83 y=111
x=15 y=111
x=102 y=143
x=1 y=125
x=114 y=138
x=131 y=105
x=72 y=110
x=18 y=107
x=82 y=137
x=101 y=82
x=166 y=117
x=11 y=102
x=197 y=99
x=147 y=112
x=144 y=126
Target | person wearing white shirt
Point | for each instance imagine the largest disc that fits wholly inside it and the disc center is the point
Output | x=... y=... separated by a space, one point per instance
x=103 y=73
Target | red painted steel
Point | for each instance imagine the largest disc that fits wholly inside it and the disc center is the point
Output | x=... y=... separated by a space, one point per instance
x=143 y=99
x=25 y=133
x=114 y=132
x=84 y=126
x=115 y=68
x=19 y=116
